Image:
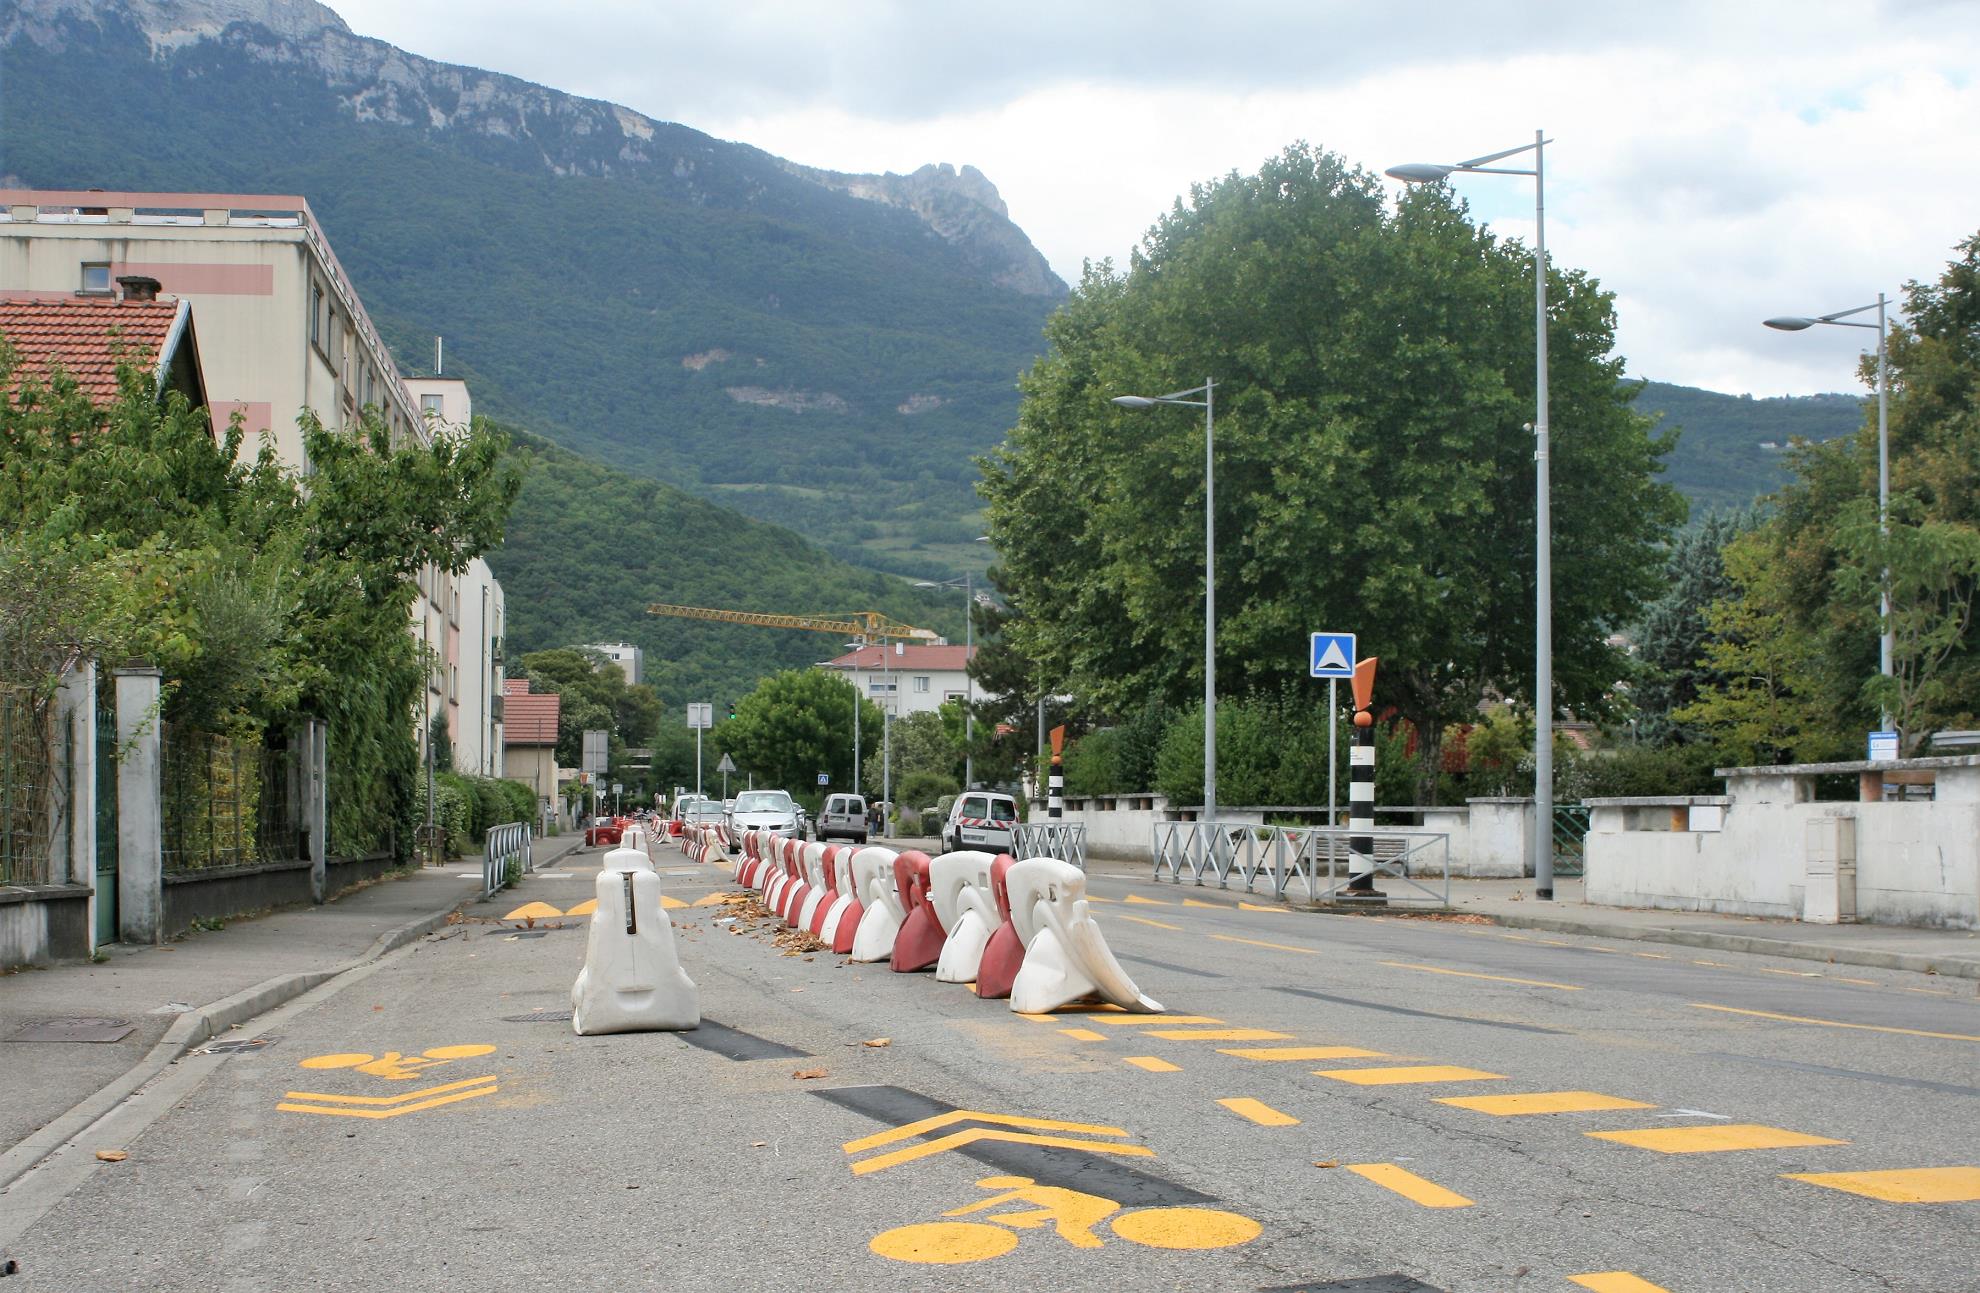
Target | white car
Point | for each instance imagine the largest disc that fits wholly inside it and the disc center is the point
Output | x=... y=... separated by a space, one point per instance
x=980 y=820
x=763 y=810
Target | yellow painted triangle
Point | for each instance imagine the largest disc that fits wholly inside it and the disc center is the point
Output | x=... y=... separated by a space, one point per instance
x=534 y=911
x=584 y=908
x=1252 y=906
x=669 y=903
x=1197 y=902
x=714 y=900
x=1149 y=902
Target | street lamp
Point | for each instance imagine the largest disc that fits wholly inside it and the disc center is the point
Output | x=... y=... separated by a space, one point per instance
x=1543 y=560
x=969 y=686
x=1841 y=319
x=1207 y=403
x=859 y=698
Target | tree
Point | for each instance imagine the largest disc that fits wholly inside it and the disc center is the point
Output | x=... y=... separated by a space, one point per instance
x=1373 y=464
x=797 y=724
x=1672 y=637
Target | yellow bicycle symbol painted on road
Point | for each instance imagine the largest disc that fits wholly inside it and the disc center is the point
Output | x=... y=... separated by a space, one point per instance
x=1074 y=1215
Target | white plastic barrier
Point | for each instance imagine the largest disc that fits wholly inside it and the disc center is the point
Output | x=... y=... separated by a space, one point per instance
x=814 y=879
x=1066 y=958
x=632 y=979
x=624 y=858
x=959 y=886
x=846 y=900
x=873 y=877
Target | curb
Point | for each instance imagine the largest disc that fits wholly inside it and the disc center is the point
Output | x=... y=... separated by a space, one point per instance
x=1873 y=958
x=192 y=1030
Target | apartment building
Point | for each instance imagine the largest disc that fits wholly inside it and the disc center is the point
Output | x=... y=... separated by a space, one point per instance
x=630 y=659
x=281 y=330
x=907 y=678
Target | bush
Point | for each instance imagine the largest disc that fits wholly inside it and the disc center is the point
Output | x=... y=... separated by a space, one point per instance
x=907 y=821
x=1635 y=770
x=923 y=788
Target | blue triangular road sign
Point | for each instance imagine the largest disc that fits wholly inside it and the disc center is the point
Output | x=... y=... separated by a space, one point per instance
x=1332 y=655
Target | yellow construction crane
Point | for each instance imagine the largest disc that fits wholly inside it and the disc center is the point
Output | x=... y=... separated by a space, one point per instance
x=870 y=626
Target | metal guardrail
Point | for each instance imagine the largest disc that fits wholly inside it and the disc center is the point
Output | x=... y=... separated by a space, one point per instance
x=1316 y=856
x=510 y=842
x=1065 y=841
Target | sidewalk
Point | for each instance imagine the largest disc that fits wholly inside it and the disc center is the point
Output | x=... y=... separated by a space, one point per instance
x=180 y=994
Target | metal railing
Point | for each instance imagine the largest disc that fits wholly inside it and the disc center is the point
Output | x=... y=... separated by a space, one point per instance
x=1065 y=841
x=1316 y=856
x=505 y=844
x=1570 y=838
x=211 y=799
x=27 y=781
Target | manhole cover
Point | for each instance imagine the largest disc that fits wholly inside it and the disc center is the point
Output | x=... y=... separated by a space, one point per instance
x=530 y=933
x=74 y=1030
x=237 y=1045
x=539 y=1017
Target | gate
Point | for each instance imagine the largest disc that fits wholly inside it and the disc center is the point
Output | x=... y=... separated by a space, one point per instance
x=106 y=821
x=1570 y=838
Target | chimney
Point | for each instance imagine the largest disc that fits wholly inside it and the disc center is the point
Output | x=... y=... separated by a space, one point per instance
x=139 y=287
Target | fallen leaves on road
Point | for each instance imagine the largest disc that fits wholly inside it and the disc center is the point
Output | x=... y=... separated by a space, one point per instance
x=758 y=1144
x=806 y=1075
x=1325 y=1162
x=878 y=1041
x=111 y=1155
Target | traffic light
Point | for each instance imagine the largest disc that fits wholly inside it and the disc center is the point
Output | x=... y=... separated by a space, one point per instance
x=732 y=711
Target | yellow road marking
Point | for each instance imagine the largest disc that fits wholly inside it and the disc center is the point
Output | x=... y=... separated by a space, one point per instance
x=1077 y=1008
x=970 y=1136
x=1467 y=974
x=1836 y=1023
x=953 y=1116
x=1218 y=1034
x=1252 y=906
x=1142 y=920
x=1195 y=902
x=714 y=899
x=389 y=1099
x=1617 y=1282
x=1259 y=1112
x=1407 y=1074
x=1149 y=1064
x=1305 y=1053
x=534 y=911
x=670 y=903
x=1094 y=897
x=1084 y=1034
x=1227 y=938
x=1409 y=1185
x=1792 y=974
x=1146 y=902
x=344 y=1111
x=1186 y=1229
x=1653 y=956
x=1868 y=983
x=584 y=908
x=943 y=1243
x=1903 y=1185
x=1713 y=1138
x=1509 y=1106
x=1156 y=1019
x=1717 y=965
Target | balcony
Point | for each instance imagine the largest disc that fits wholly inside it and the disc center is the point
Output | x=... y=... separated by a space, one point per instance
x=495 y=708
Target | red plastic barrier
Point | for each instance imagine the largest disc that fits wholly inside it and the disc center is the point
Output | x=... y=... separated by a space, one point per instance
x=842 y=938
x=919 y=944
x=831 y=894
x=1003 y=956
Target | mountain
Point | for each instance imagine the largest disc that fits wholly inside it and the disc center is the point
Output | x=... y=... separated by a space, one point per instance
x=822 y=350
x=1730 y=447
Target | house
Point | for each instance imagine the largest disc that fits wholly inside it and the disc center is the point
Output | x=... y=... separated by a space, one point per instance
x=907 y=678
x=89 y=338
x=529 y=734
x=630 y=659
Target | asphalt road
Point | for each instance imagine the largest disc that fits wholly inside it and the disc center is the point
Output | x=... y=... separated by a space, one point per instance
x=1240 y=1142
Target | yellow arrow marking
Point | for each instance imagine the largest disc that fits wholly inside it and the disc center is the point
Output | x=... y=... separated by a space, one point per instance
x=387 y=1099
x=1139 y=920
x=1252 y=906
x=1147 y=902
x=1192 y=902
x=958 y=1139
x=954 y=1116
x=343 y=1112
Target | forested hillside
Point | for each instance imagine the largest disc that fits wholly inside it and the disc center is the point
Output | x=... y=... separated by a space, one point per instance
x=588 y=548
x=1729 y=446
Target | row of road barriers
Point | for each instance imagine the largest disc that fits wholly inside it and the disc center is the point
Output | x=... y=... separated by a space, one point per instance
x=1063 y=840
x=1316 y=856
x=510 y=842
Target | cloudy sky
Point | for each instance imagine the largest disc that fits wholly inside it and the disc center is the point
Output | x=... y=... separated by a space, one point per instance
x=1714 y=162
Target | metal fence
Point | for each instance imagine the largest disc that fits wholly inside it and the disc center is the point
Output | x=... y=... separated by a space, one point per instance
x=1570 y=838
x=1065 y=841
x=1315 y=856
x=27 y=786
x=506 y=844
x=210 y=799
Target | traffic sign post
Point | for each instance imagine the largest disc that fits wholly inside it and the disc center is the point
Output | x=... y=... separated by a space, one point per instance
x=701 y=716
x=1331 y=656
x=725 y=767
x=824 y=778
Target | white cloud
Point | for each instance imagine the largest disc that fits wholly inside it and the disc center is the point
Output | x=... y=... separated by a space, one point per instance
x=1713 y=164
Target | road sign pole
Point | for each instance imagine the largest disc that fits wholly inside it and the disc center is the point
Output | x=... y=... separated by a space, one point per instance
x=697 y=763
x=1333 y=714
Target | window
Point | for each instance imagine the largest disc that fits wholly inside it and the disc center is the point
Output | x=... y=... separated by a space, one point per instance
x=96 y=278
x=921 y=682
x=453 y=682
x=430 y=404
x=878 y=686
x=315 y=315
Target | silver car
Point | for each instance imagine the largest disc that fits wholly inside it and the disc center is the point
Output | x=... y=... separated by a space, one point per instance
x=763 y=810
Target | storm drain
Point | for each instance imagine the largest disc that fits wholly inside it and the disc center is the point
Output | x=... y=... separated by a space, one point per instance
x=236 y=1046
x=74 y=1030
x=1367 y=1284
x=539 y=1017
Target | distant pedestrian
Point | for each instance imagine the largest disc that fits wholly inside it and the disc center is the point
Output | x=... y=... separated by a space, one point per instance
x=876 y=820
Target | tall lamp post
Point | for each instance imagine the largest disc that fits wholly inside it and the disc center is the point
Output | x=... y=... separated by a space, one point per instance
x=859 y=699
x=1841 y=319
x=1543 y=559
x=1207 y=404
x=966 y=583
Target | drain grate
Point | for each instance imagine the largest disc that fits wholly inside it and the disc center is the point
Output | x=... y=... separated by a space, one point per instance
x=539 y=1017
x=237 y=1045
x=1367 y=1284
x=74 y=1030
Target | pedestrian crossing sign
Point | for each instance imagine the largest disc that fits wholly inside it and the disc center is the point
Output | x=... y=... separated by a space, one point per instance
x=1332 y=655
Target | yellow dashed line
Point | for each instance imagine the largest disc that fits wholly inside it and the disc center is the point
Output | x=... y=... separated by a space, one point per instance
x=1617 y=1282
x=1904 y=1185
x=1084 y=1034
x=1269 y=1053
x=1258 y=1111
x=1282 y=947
x=1408 y=1074
x=1167 y=1020
x=1149 y=1064
x=1714 y=1138
x=1409 y=1185
x=1148 y=902
x=1218 y=1035
x=1509 y=1106
x=1836 y=1023
x=1142 y=920
x=1496 y=978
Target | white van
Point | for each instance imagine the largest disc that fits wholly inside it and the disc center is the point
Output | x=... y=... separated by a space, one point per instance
x=980 y=820
x=843 y=818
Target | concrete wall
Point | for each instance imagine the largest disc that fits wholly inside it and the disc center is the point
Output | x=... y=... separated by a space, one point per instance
x=225 y=892
x=40 y=924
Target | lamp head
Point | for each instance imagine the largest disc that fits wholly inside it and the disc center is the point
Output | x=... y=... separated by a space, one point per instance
x=923 y=583
x=1134 y=401
x=1418 y=172
x=1791 y=323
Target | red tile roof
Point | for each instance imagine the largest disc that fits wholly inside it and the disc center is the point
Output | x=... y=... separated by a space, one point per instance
x=934 y=658
x=528 y=719
x=86 y=337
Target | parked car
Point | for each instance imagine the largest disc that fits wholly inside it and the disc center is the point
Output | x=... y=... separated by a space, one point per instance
x=843 y=818
x=702 y=812
x=604 y=832
x=980 y=820
x=763 y=810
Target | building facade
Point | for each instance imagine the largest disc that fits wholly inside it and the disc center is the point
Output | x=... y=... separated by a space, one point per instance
x=630 y=659
x=907 y=678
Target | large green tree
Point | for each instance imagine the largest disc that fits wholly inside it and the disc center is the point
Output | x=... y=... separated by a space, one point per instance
x=797 y=724
x=1373 y=459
